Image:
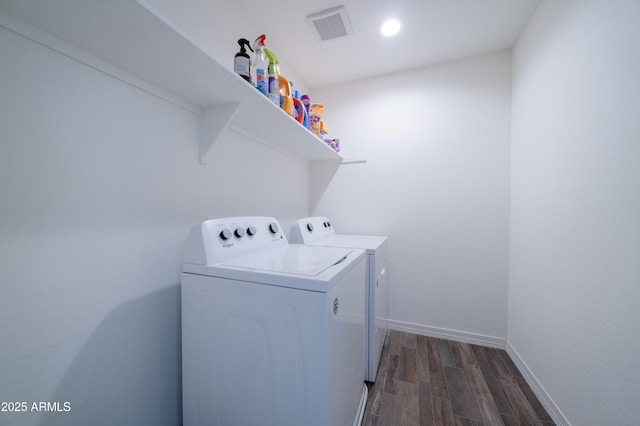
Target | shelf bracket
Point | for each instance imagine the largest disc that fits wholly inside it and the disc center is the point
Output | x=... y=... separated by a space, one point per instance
x=353 y=161
x=212 y=122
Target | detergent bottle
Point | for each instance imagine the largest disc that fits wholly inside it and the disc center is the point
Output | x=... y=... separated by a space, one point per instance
x=273 y=72
x=261 y=66
x=299 y=111
x=286 y=99
x=306 y=101
x=242 y=60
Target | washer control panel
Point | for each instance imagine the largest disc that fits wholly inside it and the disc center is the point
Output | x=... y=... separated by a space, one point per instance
x=217 y=240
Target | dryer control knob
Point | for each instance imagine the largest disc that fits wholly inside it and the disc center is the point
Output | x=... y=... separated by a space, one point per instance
x=273 y=228
x=251 y=231
x=239 y=232
x=225 y=234
x=310 y=227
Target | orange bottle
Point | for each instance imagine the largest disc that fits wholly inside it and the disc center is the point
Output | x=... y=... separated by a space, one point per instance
x=286 y=100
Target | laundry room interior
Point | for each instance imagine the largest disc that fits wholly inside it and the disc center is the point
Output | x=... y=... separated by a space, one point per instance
x=507 y=181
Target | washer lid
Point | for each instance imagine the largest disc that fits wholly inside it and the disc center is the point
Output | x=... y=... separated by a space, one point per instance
x=291 y=259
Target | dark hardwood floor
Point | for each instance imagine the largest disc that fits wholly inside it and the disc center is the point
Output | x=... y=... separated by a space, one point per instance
x=427 y=381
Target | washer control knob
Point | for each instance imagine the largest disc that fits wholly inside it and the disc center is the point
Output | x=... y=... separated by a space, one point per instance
x=225 y=234
x=239 y=232
x=273 y=228
x=310 y=227
x=251 y=231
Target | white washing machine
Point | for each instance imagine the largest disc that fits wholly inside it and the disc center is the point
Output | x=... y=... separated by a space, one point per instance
x=272 y=332
x=319 y=231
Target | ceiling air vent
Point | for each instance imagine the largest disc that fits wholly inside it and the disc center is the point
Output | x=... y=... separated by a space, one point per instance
x=331 y=23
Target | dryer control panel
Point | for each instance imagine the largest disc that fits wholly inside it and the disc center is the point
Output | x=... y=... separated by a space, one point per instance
x=311 y=229
x=217 y=240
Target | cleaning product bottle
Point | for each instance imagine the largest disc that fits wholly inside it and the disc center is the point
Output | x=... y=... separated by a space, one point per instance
x=316 y=125
x=279 y=87
x=261 y=66
x=286 y=99
x=306 y=101
x=273 y=72
x=242 y=60
x=299 y=111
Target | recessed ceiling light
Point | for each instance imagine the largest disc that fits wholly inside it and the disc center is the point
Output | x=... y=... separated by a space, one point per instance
x=390 y=27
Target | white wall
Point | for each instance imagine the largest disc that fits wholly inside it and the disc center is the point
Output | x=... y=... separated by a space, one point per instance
x=575 y=203
x=216 y=26
x=99 y=184
x=436 y=141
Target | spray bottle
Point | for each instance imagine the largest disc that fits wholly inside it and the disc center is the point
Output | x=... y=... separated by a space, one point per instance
x=261 y=66
x=242 y=60
x=279 y=87
x=274 y=71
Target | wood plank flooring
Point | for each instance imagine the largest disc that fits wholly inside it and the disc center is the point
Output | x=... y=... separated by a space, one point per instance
x=427 y=381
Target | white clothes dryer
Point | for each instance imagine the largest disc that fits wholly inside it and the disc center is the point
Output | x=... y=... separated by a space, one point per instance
x=318 y=231
x=272 y=332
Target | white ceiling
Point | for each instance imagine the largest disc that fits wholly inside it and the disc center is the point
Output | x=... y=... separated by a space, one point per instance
x=433 y=31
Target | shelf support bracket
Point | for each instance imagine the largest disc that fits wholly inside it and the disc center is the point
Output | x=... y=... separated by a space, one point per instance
x=213 y=121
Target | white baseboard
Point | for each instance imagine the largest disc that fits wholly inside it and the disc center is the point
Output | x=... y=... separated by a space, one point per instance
x=445 y=333
x=548 y=403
